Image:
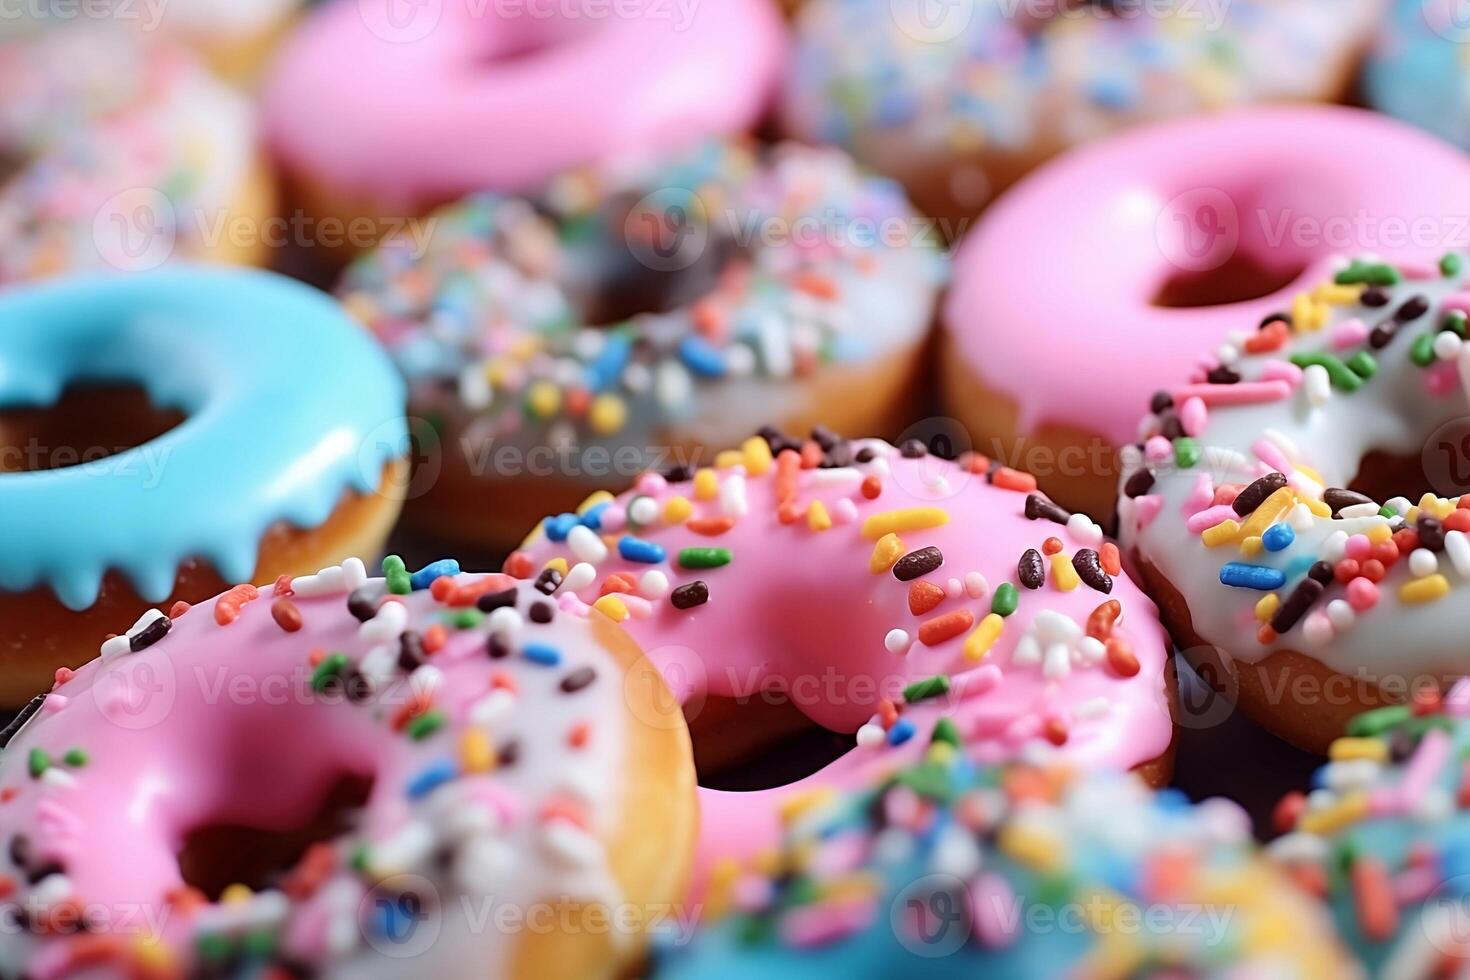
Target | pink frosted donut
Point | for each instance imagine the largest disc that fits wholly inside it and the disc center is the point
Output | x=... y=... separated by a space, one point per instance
x=1166 y=240
x=880 y=591
x=335 y=778
x=367 y=106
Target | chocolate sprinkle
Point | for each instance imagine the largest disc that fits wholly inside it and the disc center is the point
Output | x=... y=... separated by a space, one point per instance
x=1223 y=375
x=548 y=581
x=1090 y=570
x=362 y=604
x=688 y=596
x=410 y=651
x=578 y=679
x=1374 y=296
x=542 y=612
x=150 y=634
x=1302 y=598
x=19 y=721
x=1431 y=532
x=1031 y=569
x=916 y=564
x=497 y=648
x=491 y=601
x=1337 y=498
x=1161 y=402
x=1253 y=496
x=1140 y=483
x=913 y=449
x=1038 y=507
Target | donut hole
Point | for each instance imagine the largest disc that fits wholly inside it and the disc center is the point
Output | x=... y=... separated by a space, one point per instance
x=1383 y=476
x=533 y=34
x=1239 y=279
x=762 y=742
x=87 y=423
x=215 y=856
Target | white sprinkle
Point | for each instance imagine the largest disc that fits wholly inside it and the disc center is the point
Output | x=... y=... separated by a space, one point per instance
x=587 y=544
x=1284 y=443
x=976 y=587
x=1356 y=511
x=578 y=577
x=492 y=708
x=954 y=588
x=388 y=625
x=1058 y=662
x=1399 y=505
x=1317 y=384
x=1334 y=548
x=1091 y=650
x=871 y=736
x=1300 y=847
x=1301 y=518
x=732 y=497
x=474 y=388
x=58 y=778
x=504 y=622
x=1340 y=613
x=1027 y=651
x=570 y=845
x=379 y=665
x=1457 y=547
x=1054 y=627
x=1423 y=562
x=1305 y=486
x=1447 y=345
x=643 y=510
x=1092 y=708
x=50 y=890
x=838 y=475
x=483 y=864
x=1083 y=530
x=673 y=386
x=404 y=851
x=653 y=585
x=897 y=641
x=425 y=680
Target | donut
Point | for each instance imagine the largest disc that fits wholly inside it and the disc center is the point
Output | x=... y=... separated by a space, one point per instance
x=376 y=113
x=1417 y=68
x=120 y=155
x=959 y=102
x=169 y=433
x=951 y=870
x=625 y=323
x=1266 y=507
x=1173 y=237
x=872 y=591
x=380 y=768
x=1383 y=836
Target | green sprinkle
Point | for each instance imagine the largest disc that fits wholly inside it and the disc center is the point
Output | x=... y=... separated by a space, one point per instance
x=1370 y=724
x=258 y=945
x=1369 y=273
x=1363 y=365
x=399 y=581
x=1186 y=452
x=327 y=671
x=465 y=619
x=1005 y=600
x=1422 y=352
x=214 y=946
x=425 y=725
x=1457 y=321
x=704 y=557
x=928 y=779
x=359 y=858
x=931 y=687
x=945 y=732
x=1387 y=511
x=38 y=762
x=1451 y=264
x=1336 y=370
x=76 y=758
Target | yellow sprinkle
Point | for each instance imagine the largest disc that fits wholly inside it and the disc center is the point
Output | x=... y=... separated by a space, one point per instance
x=1438 y=507
x=1063 y=575
x=558 y=563
x=1266 y=608
x=1307 y=314
x=607 y=414
x=612 y=607
x=729 y=458
x=722 y=878
x=1423 y=590
x=1226 y=532
x=899 y=521
x=1351 y=749
x=1317 y=507
x=1334 y=295
x=817 y=516
x=979 y=642
x=1272 y=509
x=475 y=752
x=1252 y=546
x=1037 y=850
x=152 y=954
x=794 y=805
x=594 y=499
x=1329 y=820
x=1379 y=533
x=941 y=752
x=886 y=553
x=706 y=484
x=497 y=372
x=766 y=862
x=678 y=510
x=526 y=347
x=757 y=454
x=236 y=894
x=543 y=398
x=850 y=887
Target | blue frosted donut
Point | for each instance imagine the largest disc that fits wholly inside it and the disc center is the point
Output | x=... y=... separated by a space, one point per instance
x=293 y=418
x=1419 y=69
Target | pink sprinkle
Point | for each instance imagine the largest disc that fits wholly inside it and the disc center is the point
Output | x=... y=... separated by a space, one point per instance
x=981 y=680
x=1201 y=495
x=1459 y=301
x=1457 y=702
x=844 y=511
x=1424 y=766
x=1349 y=334
x=1206 y=519
x=652 y=484
x=1417 y=271
x=993 y=911
x=1158 y=449
x=1359 y=547
x=1441 y=379
x=1193 y=415
x=614 y=518
x=1281 y=371
x=54 y=702
x=1362 y=594
x=1146 y=509
x=1272 y=389
x=1270 y=454
x=826 y=922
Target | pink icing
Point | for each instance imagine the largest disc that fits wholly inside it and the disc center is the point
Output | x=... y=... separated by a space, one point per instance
x=796 y=606
x=1296 y=185
x=463 y=96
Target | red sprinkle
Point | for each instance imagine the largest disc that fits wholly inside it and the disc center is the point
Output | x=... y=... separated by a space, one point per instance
x=935 y=631
x=286 y=615
x=501 y=681
x=1100 y=622
x=1407 y=539
x=619 y=582
x=283 y=587
x=227 y=607
x=710 y=527
x=1056 y=732
x=1051 y=546
x=873 y=488
x=434 y=639
x=177 y=610
x=1373 y=897
x=924 y=596
x=1346 y=570
x=1009 y=479
x=519 y=565
x=1459 y=519
x=578 y=736
x=1112 y=561
x=887 y=713
x=1288 y=811
x=1373 y=570
x=62 y=675
x=811 y=455
x=1121 y=657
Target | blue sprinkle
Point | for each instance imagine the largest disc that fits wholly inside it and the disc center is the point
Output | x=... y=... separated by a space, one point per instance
x=593 y=517
x=557 y=528
x=701 y=357
x=1278 y=537
x=1238 y=574
x=1300 y=566
x=424 y=577
x=604 y=372
x=436 y=774
x=901 y=732
x=540 y=653
x=634 y=549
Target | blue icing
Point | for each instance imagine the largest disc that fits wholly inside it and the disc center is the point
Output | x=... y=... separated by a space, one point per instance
x=1419 y=70
x=289 y=405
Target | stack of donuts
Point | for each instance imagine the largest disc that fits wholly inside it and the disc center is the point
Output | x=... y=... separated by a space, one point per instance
x=924 y=481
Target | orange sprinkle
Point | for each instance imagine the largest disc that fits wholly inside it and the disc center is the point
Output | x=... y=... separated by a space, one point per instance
x=227 y=607
x=887 y=713
x=811 y=455
x=1373 y=897
x=447 y=591
x=788 y=512
x=1169 y=874
x=577 y=737
x=1459 y=519
x=62 y=675
x=872 y=487
x=1266 y=636
x=1009 y=479
x=924 y=596
x=577 y=401
x=1100 y=623
x=1286 y=813
x=1055 y=731
x=564 y=810
x=975 y=463
x=1268 y=338
x=8 y=794
x=1112 y=561
x=934 y=631
x=434 y=638
x=788 y=466
x=1121 y=657
x=1051 y=546
x=177 y=610
x=416 y=705
x=1407 y=539
x=286 y=615
x=1025 y=783
x=519 y=565
x=283 y=587
x=501 y=681
x=619 y=582
x=710 y=527
x=822 y=287
x=315 y=657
